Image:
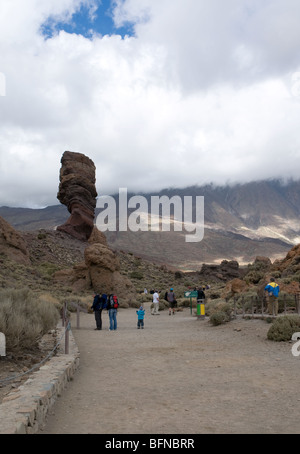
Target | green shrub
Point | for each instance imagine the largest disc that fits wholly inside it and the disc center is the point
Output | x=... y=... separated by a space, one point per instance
x=136 y=275
x=286 y=298
x=24 y=318
x=214 y=295
x=219 y=312
x=187 y=303
x=284 y=327
x=48 y=269
x=218 y=305
x=246 y=299
x=218 y=318
x=254 y=276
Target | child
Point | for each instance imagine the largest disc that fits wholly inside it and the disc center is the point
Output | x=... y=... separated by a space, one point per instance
x=140 y=314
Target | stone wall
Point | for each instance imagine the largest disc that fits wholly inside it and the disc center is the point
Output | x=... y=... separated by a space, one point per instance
x=25 y=409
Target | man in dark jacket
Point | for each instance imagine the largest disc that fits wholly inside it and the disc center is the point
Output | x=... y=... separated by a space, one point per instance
x=201 y=294
x=97 y=308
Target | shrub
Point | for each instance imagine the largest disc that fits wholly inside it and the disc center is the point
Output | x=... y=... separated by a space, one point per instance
x=220 y=312
x=217 y=305
x=186 y=302
x=284 y=327
x=285 y=297
x=247 y=299
x=48 y=269
x=214 y=295
x=136 y=275
x=24 y=319
x=218 y=318
x=254 y=276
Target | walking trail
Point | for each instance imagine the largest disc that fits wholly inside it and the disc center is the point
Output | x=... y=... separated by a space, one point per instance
x=179 y=375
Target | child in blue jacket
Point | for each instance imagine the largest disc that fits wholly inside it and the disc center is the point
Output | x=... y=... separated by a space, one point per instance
x=141 y=315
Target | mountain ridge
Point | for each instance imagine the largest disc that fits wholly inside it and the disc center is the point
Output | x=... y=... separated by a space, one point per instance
x=242 y=221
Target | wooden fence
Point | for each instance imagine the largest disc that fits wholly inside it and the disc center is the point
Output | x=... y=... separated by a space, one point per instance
x=258 y=306
x=66 y=320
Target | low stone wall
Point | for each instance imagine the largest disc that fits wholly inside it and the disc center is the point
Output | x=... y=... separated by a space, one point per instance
x=24 y=410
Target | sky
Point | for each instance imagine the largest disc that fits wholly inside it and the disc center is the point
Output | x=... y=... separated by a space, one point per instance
x=158 y=93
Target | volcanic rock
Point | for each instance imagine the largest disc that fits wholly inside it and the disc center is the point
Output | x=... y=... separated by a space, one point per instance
x=290 y=264
x=77 y=191
x=104 y=269
x=99 y=272
x=12 y=244
x=224 y=272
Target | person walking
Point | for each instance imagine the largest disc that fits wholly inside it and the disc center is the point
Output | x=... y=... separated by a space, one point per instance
x=141 y=315
x=97 y=308
x=272 y=293
x=155 y=300
x=172 y=301
x=112 y=307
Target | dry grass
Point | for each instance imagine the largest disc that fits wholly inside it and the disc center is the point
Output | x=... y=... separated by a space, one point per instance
x=25 y=318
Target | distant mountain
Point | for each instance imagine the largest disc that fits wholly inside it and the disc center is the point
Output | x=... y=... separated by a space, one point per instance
x=28 y=219
x=241 y=222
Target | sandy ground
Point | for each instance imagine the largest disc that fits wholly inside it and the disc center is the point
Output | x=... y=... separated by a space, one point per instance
x=179 y=375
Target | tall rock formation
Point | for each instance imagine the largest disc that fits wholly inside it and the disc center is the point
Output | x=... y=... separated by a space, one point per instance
x=100 y=270
x=77 y=191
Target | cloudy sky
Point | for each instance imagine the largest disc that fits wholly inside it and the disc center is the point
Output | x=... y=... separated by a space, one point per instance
x=157 y=93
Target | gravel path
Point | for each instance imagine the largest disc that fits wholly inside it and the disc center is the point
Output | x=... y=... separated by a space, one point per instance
x=179 y=375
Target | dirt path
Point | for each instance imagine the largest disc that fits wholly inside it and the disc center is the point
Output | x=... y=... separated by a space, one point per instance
x=179 y=376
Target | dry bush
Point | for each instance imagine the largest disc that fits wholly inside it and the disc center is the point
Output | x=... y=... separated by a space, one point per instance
x=24 y=318
x=218 y=318
x=219 y=312
x=284 y=327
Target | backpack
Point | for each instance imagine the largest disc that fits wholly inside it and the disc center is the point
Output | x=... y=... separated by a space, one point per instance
x=114 y=302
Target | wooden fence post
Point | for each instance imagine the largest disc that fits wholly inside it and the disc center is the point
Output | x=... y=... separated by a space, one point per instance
x=284 y=302
x=67 y=337
x=78 y=322
x=234 y=302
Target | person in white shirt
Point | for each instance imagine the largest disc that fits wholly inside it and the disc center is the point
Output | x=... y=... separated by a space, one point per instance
x=155 y=303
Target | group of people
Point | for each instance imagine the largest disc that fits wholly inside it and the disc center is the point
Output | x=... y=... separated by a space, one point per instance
x=111 y=304
x=169 y=296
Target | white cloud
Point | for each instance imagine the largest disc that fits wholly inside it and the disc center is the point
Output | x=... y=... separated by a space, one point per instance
x=205 y=91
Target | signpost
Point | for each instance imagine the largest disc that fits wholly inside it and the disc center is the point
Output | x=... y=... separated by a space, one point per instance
x=200 y=303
